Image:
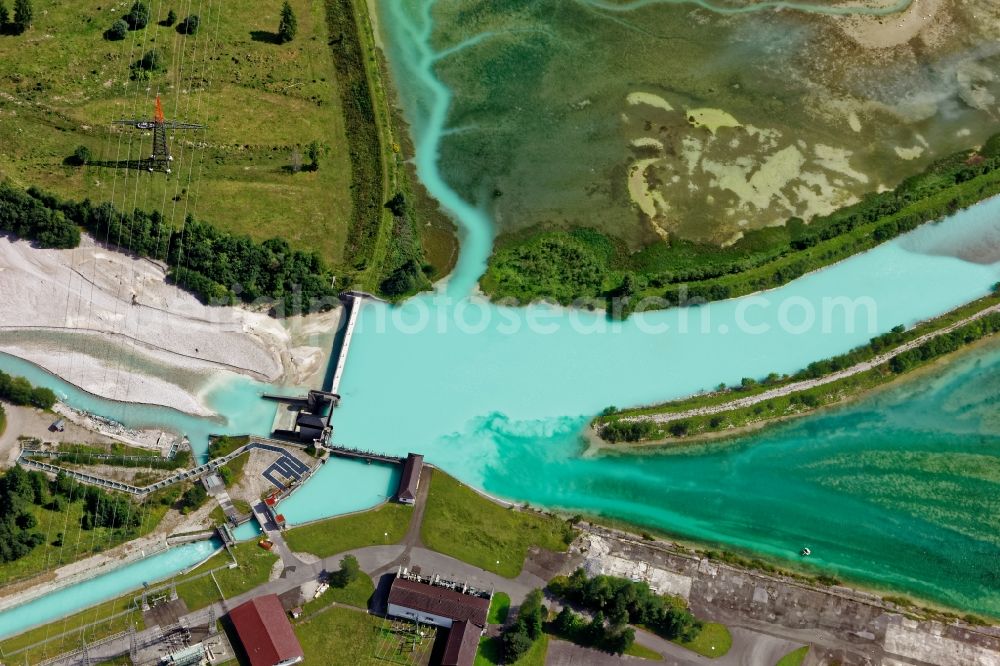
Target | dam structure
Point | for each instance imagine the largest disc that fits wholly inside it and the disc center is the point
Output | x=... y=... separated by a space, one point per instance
x=309 y=418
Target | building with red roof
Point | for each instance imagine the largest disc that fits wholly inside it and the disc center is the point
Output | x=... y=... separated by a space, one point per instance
x=409 y=481
x=266 y=633
x=430 y=604
x=462 y=644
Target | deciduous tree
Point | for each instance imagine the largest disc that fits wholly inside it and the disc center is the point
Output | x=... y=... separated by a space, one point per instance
x=138 y=16
x=117 y=31
x=189 y=25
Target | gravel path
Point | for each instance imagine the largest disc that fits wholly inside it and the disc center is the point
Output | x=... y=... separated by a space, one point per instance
x=806 y=384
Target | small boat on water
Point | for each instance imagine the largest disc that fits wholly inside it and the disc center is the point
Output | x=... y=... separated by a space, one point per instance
x=805 y=552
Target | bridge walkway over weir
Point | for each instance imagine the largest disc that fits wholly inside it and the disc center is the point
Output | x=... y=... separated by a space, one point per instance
x=353 y=302
x=370 y=456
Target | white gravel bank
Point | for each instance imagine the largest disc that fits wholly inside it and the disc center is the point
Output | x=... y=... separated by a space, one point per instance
x=110 y=324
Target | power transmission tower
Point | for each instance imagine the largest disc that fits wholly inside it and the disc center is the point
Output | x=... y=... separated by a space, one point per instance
x=161 y=158
x=133 y=647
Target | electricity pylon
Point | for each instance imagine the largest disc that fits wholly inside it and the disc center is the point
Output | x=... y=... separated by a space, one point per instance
x=161 y=158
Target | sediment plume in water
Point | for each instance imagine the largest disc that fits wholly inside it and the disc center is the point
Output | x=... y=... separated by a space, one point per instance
x=652 y=119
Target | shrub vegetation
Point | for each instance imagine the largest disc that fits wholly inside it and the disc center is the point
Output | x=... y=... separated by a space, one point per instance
x=24 y=13
x=596 y=633
x=520 y=636
x=614 y=426
x=19 y=391
x=117 y=31
x=138 y=16
x=626 y=602
x=189 y=25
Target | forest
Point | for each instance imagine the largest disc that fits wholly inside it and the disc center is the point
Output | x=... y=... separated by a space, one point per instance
x=218 y=267
x=21 y=490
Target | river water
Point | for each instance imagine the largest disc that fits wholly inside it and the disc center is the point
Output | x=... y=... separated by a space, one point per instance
x=898 y=490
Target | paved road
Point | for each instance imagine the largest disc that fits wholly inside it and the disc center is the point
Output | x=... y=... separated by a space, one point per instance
x=750 y=648
x=288 y=558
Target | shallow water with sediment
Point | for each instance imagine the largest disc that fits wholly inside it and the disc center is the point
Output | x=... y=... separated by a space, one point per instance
x=693 y=118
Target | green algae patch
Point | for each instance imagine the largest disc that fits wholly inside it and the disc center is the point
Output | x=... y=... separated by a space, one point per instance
x=651 y=99
x=539 y=134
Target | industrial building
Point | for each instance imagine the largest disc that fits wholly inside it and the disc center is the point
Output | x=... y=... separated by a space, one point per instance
x=409 y=482
x=460 y=609
x=266 y=633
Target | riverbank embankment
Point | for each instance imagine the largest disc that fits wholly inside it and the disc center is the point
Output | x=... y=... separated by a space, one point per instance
x=721 y=414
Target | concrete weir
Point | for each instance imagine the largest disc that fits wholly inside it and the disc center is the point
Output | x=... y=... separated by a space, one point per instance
x=352 y=301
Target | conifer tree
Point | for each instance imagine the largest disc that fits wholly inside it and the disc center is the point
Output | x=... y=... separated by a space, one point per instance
x=288 y=26
x=23 y=13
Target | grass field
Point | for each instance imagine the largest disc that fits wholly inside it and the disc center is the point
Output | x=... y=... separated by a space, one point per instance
x=713 y=641
x=462 y=523
x=255 y=565
x=63 y=84
x=336 y=535
x=339 y=637
x=108 y=618
x=643 y=652
x=236 y=469
x=794 y=658
x=76 y=543
x=499 y=608
x=221 y=447
x=357 y=593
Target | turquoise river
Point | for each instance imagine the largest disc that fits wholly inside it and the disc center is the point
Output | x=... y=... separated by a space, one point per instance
x=899 y=490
